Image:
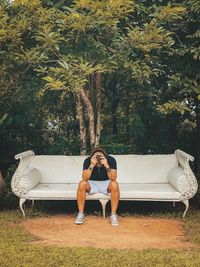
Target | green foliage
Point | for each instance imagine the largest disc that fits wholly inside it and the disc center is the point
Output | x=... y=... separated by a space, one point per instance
x=146 y=51
x=149 y=38
x=171 y=106
x=3 y=118
x=109 y=13
x=70 y=76
x=141 y=72
x=170 y=13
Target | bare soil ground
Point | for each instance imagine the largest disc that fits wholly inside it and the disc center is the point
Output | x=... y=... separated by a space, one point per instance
x=137 y=233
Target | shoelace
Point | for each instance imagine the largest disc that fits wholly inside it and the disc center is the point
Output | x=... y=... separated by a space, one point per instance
x=80 y=216
x=114 y=217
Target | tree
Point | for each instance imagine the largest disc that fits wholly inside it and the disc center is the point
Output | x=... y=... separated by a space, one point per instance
x=100 y=68
x=182 y=83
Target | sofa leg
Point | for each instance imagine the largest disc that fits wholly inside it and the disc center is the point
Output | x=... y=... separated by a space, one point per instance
x=32 y=204
x=186 y=202
x=103 y=203
x=173 y=203
x=21 y=202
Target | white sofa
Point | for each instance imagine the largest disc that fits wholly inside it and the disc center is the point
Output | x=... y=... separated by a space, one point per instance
x=163 y=177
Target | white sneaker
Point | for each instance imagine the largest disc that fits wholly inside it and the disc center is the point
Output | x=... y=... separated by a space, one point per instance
x=79 y=218
x=114 y=219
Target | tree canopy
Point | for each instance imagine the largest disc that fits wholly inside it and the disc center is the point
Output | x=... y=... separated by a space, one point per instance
x=124 y=74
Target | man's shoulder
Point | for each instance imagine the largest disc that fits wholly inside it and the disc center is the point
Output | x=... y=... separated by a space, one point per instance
x=87 y=159
x=111 y=158
x=86 y=163
x=112 y=162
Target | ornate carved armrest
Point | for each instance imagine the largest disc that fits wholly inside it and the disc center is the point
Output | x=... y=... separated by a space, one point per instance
x=183 y=156
x=22 y=169
x=25 y=159
x=184 y=159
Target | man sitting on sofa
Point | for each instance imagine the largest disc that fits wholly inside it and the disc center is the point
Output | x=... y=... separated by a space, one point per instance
x=99 y=176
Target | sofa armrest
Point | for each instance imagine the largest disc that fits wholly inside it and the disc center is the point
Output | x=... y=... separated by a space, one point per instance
x=30 y=178
x=184 y=163
x=24 y=154
x=178 y=180
x=183 y=156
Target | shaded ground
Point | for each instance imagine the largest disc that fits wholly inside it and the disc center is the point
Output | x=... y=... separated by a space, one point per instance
x=137 y=233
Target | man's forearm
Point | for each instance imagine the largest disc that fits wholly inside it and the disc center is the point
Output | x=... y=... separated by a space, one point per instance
x=111 y=173
x=87 y=173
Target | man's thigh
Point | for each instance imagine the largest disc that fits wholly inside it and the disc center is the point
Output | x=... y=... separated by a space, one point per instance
x=99 y=186
x=83 y=183
x=88 y=188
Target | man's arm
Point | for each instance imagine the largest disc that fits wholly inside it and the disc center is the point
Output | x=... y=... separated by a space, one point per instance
x=112 y=173
x=87 y=173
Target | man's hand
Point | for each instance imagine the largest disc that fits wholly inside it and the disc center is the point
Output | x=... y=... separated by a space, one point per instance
x=104 y=162
x=93 y=161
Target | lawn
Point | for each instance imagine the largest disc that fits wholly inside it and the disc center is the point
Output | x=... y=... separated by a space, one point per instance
x=16 y=248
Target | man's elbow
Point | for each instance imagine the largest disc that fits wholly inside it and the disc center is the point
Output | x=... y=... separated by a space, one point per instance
x=113 y=177
x=85 y=177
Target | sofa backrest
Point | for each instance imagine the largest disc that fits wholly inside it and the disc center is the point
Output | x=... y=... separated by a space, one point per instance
x=130 y=168
x=58 y=168
x=145 y=168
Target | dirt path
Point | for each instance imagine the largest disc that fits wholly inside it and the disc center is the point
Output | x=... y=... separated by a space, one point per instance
x=138 y=233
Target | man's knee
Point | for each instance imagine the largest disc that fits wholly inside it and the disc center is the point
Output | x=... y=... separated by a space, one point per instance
x=83 y=185
x=114 y=186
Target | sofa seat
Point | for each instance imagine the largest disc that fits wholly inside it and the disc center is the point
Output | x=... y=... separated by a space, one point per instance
x=148 y=191
x=58 y=191
x=127 y=191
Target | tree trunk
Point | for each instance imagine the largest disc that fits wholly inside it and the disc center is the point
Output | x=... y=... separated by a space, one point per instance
x=83 y=134
x=98 y=108
x=90 y=113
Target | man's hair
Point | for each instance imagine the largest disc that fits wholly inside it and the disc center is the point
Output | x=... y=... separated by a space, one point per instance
x=98 y=148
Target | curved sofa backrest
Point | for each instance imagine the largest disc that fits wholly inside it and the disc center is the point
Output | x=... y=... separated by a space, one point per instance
x=145 y=168
x=130 y=168
x=59 y=169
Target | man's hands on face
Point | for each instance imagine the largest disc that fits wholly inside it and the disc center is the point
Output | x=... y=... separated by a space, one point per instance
x=103 y=161
x=93 y=161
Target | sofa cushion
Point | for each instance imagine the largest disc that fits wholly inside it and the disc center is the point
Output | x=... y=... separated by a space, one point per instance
x=58 y=191
x=28 y=180
x=149 y=191
x=178 y=180
x=127 y=191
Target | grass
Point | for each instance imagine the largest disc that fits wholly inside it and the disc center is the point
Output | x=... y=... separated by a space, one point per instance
x=16 y=248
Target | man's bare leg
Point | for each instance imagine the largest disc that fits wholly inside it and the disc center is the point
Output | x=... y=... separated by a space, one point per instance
x=113 y=188
x=83 y=187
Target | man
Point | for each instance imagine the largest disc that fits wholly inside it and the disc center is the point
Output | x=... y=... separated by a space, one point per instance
x=99 y=176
